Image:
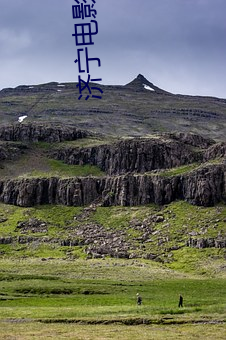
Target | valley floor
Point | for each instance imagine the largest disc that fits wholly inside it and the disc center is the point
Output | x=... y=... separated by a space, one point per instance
x=36 y=331
x=96 y=299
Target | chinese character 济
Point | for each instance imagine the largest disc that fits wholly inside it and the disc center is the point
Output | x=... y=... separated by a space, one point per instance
x=86 y=85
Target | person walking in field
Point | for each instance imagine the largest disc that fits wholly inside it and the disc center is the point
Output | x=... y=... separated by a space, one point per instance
x=180 y=301
x=139 y=299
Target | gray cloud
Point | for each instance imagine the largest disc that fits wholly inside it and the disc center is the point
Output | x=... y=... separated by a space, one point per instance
x=177 y=44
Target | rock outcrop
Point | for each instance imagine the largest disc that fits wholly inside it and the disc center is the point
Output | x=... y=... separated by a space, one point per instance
x=133 y=168
x=139 y=155
x=191 y=139
x=219 y=242
x=98 y=241
x=205 y=186
x=215 y=151
x=11 y=151
x=37 y=132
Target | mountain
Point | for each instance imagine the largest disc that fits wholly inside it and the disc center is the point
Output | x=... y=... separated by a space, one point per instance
x=139 y=173
x=138 y=108
x=140 y=83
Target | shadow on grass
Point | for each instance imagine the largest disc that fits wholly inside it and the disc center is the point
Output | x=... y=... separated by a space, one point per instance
x=180 y=311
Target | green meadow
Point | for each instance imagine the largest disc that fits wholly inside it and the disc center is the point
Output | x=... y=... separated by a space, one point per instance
x=50 y=291
x=46 y=297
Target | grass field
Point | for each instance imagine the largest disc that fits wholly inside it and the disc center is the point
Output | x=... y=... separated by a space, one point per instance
x=96 y=299
x=45 y=293
x=38 y=331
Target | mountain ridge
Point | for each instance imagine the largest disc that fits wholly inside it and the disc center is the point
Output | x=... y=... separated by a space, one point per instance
x=138 y=108
x=135 y=84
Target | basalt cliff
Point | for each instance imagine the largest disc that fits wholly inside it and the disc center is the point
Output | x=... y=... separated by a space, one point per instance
x=158 y=169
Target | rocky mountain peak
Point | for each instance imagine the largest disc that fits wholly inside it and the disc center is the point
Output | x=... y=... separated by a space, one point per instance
x=140 y=83
x=141 y=77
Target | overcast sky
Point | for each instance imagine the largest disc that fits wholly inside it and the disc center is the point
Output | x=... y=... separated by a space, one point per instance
x=179 y=45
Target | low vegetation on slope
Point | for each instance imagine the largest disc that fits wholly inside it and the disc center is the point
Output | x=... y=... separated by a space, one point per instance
x=129 y=110
x=180 y=235
x=35 y=162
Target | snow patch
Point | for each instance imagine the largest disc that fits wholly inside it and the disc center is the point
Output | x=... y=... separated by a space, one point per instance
x=148 y=87
x=59 y=90
x=61 y=85
x=21 y=118
x=31 y=87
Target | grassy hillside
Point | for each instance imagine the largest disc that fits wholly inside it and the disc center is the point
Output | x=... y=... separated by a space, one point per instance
x=123 y=110
x=179 y=221
x=36 y=162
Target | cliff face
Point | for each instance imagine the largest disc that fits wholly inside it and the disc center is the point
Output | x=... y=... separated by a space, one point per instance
x=215 y=151
x=202 y=187
x=191 y=139
x=206 y=187
x=125 y=163
x=131 y=155
x=35 y=133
